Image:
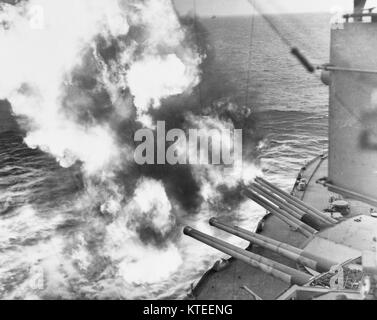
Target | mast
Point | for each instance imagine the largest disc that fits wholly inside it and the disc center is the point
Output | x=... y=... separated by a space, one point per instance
x=358 y=6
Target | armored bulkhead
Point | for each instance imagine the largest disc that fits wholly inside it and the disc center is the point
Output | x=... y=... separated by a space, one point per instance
x=353 y=105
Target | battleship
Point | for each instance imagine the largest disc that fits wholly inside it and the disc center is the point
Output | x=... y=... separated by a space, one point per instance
x=317 y=242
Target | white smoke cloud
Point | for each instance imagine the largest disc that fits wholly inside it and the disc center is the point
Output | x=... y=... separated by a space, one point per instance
x=151 y=200
x=43 y=43
x=38 y=62
x=155 y=78
x=210 y=177
x=37 y=68
x=149 y=207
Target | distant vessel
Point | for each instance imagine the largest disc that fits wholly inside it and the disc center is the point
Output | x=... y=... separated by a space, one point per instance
x=213 y=17
x=319 y=241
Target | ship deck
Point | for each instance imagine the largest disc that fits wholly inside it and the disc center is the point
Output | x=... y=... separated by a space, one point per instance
x=230 y=282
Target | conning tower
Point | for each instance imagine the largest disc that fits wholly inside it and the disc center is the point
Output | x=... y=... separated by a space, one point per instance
x=353 y=106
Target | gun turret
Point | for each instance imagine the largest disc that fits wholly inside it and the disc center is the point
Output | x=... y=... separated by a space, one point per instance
x=295 y=254
x=277 y=270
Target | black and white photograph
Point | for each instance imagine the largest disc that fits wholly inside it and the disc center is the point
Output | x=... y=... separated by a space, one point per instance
x=188 y=155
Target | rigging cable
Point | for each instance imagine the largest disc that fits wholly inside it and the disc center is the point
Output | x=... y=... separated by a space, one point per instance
x=252 y=26
x=197 y=42
x=294 y=50
x=305 y=62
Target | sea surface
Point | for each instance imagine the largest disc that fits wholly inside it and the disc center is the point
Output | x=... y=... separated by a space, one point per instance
x=43 y=247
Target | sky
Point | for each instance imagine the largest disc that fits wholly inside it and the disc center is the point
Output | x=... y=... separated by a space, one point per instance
x=243 y=7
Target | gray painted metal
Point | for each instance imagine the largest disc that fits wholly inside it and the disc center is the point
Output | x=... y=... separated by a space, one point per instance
x=359 y=5
x=282 y=215
x=350 y=194
x=308 y=218
x=353 y=110
x=297 y=255
x=328 y=68
x=276 y=201
x=298 y=203
x=278 y=270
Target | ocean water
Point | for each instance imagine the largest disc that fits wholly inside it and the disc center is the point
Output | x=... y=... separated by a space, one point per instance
x=50 y=242
x=290 y=104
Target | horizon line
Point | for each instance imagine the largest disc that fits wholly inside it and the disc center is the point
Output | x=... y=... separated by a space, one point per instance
x=251 y=14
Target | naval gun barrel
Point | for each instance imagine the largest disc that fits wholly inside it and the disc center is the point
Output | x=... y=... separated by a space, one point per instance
x=273 y=199
x=308 y=218
x=278 y=270
x=285 y=217
x=303 y=60
x=296 y=202
x=295 y=254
